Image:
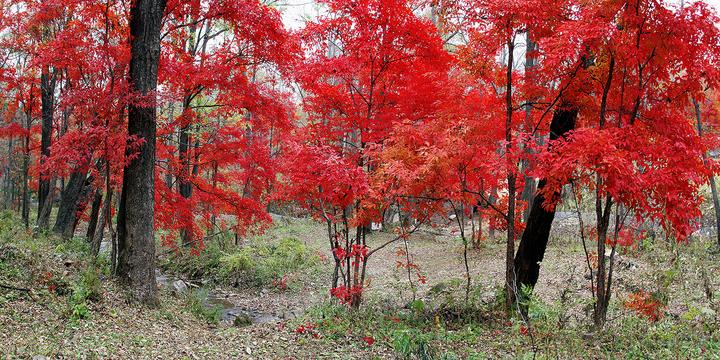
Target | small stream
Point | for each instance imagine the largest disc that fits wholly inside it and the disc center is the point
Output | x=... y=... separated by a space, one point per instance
x=230 y=312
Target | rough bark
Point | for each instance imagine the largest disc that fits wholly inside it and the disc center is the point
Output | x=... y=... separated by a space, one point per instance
x=47 y=87
x=184 y=185
x=46 y=207
x=533 y=243
x=26 y=178
x=69 y=202
x=136 y=235
x=104 y=219
x=94 y=214
x=510 y=288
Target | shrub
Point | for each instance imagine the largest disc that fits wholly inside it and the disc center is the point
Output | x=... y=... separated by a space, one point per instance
x=87 y=288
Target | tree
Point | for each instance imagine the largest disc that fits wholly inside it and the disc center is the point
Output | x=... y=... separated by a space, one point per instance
x=136 y=233
x=636 y=146
x=373 y=68
x=220 y=61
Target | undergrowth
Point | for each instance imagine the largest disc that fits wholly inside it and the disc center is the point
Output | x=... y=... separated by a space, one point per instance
x=258 y=264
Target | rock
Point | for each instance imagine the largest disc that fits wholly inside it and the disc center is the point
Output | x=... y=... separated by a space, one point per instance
x=39 y=357
x=248 y=350
x=179 y=287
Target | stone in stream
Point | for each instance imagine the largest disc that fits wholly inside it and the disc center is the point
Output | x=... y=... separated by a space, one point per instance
x=179 y=287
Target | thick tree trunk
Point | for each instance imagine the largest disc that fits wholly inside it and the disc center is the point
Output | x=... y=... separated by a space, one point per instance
x=69 y=203
x=136 y=234
x=46 y=207
x=537 y=230
x=47 y=87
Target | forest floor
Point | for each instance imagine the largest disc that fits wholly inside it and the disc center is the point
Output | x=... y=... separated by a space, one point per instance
x=68 y=307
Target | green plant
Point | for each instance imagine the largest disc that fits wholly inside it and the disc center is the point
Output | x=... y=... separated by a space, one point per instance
x=198 y=305
x=411 y=344
x=231 y=265
x=87 y=288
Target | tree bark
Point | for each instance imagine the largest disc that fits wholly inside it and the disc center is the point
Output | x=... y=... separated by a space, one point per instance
x=533 y=243
x=94 y=214
x=26 y=168
x=47 y=87
x=711 y=178
x=184 y=184
x=530 y=187
x=69 y=202
x=510 y=288
x=136 y=234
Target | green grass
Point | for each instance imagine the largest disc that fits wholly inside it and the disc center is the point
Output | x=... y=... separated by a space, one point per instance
x=479 y=331
x=258 y=264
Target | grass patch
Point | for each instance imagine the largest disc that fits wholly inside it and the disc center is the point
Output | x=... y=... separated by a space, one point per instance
x=197 y=304
x=259 y=264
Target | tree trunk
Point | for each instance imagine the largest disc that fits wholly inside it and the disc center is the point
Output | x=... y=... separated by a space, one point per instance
x=26 y=179
x=69 y=203
x=533 y=243
x=94 y=214
x=184 y=184
x=530 y=187
x=602 y=291
x=105 y=218
x=47 y=87
x=136 y=234
x=46 y=207
x=510 y=288
x=7 y=203
x=711 y=178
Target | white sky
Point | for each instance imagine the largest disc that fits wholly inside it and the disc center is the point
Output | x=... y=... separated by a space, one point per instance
x=295 y=12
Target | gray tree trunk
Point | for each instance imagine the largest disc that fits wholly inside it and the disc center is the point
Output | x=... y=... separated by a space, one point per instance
x=711 y=178
x=69 y=201
x=47 y=87
x=136 y=234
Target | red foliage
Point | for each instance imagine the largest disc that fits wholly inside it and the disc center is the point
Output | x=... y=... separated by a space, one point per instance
x=645 y=304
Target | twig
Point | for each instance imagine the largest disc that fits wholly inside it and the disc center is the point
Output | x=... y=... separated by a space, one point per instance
x=14 y=288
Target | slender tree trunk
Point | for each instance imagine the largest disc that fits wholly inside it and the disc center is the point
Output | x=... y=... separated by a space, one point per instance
x=105 y=219
x=136 y=234
x=602 y=292
x=94 y=215
x=26 y=179
x=511 y=177
x=7 y=203
x=711 y=178
x=530 y=187
x=184 y=184
x=47 y=87
x=533 y=243
x=25 y=211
